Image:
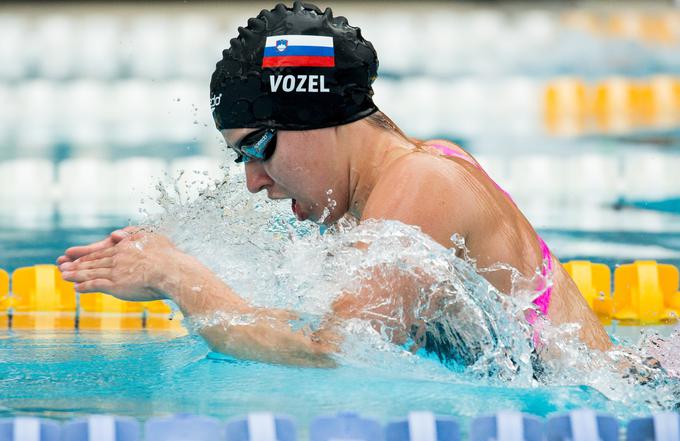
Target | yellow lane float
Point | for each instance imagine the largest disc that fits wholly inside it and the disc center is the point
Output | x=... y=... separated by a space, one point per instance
x=40 y=299
x=646 y=292
x=594 y=282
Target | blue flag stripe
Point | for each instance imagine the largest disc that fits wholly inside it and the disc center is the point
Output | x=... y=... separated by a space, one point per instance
x=309 y=51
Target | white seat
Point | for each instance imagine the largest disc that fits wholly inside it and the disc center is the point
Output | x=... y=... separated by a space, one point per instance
x=397 y=54
x=447 y=44
x=151 y=52
x=135 y=180
x=515 y=106
x=650 y=175
x=132 y=119
x=418 y=98
x=22 y=179
x=26 y=192
x=538 y=177
x=85 y=116
x=14 y=55
x=85 y=178
x=595 y=178
x=465 y=104
x=193 y=45
x=98 y=47
x=183 y=112
x=53 y=43
x=8 y=115
x=37 y=115
x=86 y=191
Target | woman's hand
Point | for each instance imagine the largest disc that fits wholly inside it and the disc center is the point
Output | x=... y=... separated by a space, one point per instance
x=74 y=253
x=130 y=265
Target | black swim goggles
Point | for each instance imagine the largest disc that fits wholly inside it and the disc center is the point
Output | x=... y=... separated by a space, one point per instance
x=256 y=146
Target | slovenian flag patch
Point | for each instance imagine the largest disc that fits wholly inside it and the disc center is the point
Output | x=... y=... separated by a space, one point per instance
x=299 y=51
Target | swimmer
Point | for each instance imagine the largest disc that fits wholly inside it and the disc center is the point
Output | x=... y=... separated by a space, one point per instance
x=292 y=97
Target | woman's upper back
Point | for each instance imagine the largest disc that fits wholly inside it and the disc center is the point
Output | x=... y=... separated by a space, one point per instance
x=446 y=195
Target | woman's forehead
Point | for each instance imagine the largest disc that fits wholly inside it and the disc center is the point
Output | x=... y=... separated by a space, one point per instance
x=233 y=136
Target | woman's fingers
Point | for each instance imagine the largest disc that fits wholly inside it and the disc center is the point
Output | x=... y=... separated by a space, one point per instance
x=102 y=258
x=106 y=262
x=77 y=252
x=85 y=275
x=124 y=233
x=116 y=236
x=96 y=285
x=97 y=255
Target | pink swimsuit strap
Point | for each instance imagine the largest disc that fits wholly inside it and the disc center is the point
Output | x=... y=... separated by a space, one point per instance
x=542 y=301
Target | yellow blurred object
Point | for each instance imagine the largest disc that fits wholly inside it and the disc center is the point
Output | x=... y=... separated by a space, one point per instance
x=594 y=282
x=566 y=95
x=41 y=299
x=613 y=94
x=164 y=322
x=646 y=292
x=156 y=307
x=652 y=28
x=613 y=104
x=41 y=288
x=103 y=311
x=658 y=29
x=565 y=105
x=4 y=298
x=581 y=20
x=627 y=25
x=158 y=315
x=642 y=103
x=666 y=95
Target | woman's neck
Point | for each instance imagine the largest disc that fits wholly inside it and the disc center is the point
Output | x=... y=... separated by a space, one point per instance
x=371 y=151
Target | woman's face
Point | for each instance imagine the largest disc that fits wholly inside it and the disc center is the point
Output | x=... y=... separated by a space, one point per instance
x=307 y=167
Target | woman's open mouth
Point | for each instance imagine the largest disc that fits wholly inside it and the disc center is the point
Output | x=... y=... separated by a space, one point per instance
x=297 y=210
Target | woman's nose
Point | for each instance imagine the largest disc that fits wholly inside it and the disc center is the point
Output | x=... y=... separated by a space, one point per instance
x=256 y=177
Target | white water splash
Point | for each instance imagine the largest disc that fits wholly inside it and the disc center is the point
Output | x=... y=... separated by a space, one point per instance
x=443 y=320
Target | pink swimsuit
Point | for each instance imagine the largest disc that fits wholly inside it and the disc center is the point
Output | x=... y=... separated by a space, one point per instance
x=543 y=300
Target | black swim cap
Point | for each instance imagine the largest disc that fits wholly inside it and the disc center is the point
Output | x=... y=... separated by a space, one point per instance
x=294 y=69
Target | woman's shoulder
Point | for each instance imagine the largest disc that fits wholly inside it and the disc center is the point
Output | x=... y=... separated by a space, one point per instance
x=447 y=148
x=424 y=190
x=421 y=170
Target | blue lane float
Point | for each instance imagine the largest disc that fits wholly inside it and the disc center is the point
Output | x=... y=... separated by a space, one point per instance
x=423 y=426
x=261 y=426
x=29 y=429
x=101 y=428
x=346 y=425
x=578 y=425
x=664 y=426
x=183 y=427
x=507 y=426
x=582 y=425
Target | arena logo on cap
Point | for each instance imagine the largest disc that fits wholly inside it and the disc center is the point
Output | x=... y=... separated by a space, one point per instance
x=299 y=51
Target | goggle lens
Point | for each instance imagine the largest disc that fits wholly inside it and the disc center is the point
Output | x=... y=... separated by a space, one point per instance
x=257 y=146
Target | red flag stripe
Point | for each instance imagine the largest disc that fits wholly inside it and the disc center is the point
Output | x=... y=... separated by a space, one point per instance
x=298 y=61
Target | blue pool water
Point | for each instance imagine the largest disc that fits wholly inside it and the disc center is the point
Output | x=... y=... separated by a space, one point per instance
x=65 y=375
x=144 y=374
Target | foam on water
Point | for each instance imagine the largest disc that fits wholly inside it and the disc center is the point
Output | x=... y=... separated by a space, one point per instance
x=443 y=322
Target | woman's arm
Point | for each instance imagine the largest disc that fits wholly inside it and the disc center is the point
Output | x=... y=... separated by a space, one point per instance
x=146 y=266
x=232 y=326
